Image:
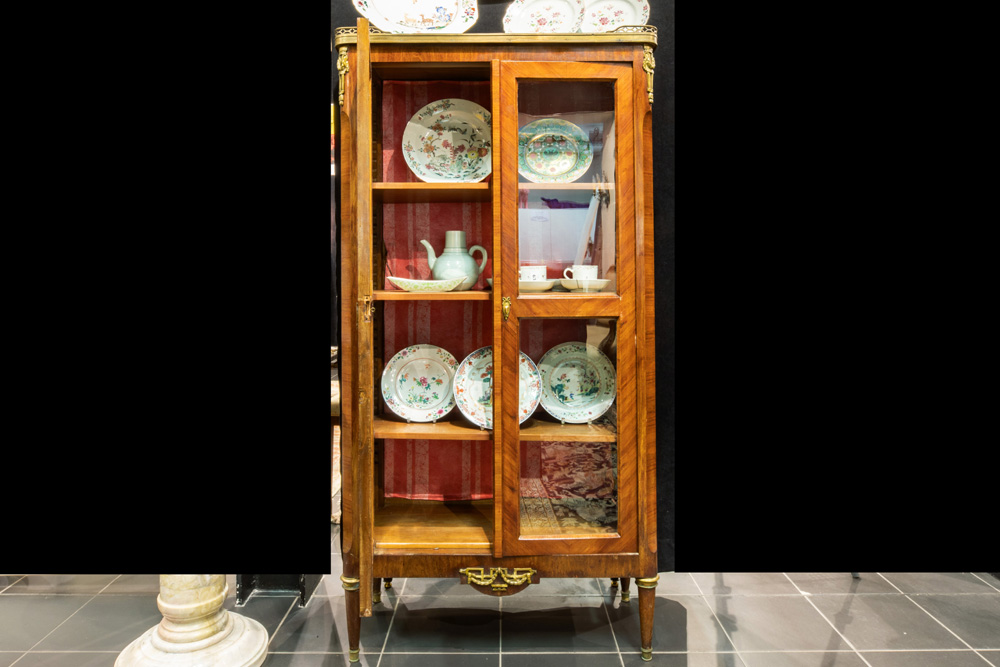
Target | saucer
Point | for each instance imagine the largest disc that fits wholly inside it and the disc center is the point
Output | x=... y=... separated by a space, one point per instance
x=535 y=285
x=592 y=285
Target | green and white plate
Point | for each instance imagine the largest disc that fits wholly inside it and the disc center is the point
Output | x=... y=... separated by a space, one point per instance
x=551 y=150
x=473 y=387
x=417 y=383
x=425 y=285
x=449 y=141
x=578 y=382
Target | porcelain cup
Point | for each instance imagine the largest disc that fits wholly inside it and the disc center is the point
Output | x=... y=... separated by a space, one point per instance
x=581 y=272
x=533 y=273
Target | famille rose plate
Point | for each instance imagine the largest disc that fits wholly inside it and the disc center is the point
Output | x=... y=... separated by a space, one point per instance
x=419 y=16
x=449 y=141
x=417 y=383
x=551 y=150
x=608 y=15
x=426 y=285
x=473 y=387
x=578 y=382
x=543 y=16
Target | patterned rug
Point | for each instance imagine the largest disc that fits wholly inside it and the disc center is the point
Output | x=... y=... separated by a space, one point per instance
x=568 y=487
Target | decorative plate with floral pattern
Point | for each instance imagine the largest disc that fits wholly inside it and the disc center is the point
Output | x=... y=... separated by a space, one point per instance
x=551 y=150
x=473 y=387
x=543 y=16
x=608 y=15
x=578 y=382
x=449 y=141
x=419 y=16
x=417 y=383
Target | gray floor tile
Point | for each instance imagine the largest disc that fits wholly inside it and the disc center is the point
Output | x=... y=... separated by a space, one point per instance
x=804 y=659
x=681 y=660
x=880 y=622
x=824 y=583
x=72 y=584
x=311 y=660
x=26 y=619
x=135 y=584
x=104 y=624
x=68 y=659
x=445 y=625
x=8 y=658
x=561 y=659
x=770 y=623
x=269 y=611
x=444 y=660
x=561 y=623
x=7 y=580
x=681 y=623
x=427 y=586
x=989 y=579
x=675 y=583
x=938 y=582
x=314 y=628
x=974 y=618
x=745 y=583
x=924 y=659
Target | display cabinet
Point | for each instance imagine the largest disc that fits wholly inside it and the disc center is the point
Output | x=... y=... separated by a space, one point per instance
x=502 y=431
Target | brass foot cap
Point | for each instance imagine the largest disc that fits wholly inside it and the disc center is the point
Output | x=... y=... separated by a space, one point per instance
x=353 y=654
x=377 y=598
x=625 y=597
x=388 y=585
x=647 y=654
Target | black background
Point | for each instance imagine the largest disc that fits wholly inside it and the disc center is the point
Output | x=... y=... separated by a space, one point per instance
x=829 y=386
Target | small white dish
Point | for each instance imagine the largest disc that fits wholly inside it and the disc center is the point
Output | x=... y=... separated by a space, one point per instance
x=595 y=285
x=535 y=285
x=425 y=285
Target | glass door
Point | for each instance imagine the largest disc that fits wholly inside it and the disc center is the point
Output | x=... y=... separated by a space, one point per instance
x=568 y=355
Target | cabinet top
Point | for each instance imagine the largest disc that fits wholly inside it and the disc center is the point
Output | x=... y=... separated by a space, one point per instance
x=634 y=34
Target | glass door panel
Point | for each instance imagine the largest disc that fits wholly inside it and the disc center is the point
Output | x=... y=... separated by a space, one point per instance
x=566 y=174
x=568 y=447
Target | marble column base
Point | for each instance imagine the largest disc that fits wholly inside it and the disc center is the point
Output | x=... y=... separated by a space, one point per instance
x=243 y=644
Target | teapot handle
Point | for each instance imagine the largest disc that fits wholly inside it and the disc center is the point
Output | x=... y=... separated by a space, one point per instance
x=481 y=249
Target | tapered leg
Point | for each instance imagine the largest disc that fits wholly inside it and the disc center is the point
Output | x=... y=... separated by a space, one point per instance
x=352 y=598
x=376 y=590
x=647 y=601
x=625 y=591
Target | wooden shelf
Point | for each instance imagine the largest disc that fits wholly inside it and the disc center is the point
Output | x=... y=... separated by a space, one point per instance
x=564 y=186
x=441 y=527
x=411 y=193
x=535 y=429
x=400 y=295
x=457 y=429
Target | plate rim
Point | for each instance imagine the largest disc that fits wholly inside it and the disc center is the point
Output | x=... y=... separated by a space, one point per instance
x=390 y=366
x=614 y=380
x=487 y=129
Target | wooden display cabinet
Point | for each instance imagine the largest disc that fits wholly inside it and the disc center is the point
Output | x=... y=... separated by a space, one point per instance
x=551 y=499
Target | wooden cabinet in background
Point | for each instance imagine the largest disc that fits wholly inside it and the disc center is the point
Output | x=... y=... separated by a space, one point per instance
x=530 y=496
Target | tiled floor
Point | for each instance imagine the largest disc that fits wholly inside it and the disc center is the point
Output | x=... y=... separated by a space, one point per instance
x=883 y=619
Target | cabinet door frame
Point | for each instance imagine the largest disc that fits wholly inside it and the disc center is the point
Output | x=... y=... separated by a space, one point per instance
x=621 y=306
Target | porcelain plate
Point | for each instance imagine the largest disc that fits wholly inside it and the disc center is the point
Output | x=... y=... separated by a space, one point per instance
x=473 y=387
x=578 y=382
x=417 y=383
x=449 y=141
x=552 y=150
x=419 y=16
x=543 y=16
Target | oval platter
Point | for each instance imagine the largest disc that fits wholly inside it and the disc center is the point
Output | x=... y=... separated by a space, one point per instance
x=419 y=16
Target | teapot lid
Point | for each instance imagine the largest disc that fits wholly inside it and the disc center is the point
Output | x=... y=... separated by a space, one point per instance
x=454 y=238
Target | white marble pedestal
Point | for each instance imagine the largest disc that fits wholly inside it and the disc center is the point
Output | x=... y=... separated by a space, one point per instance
x=196 y=631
